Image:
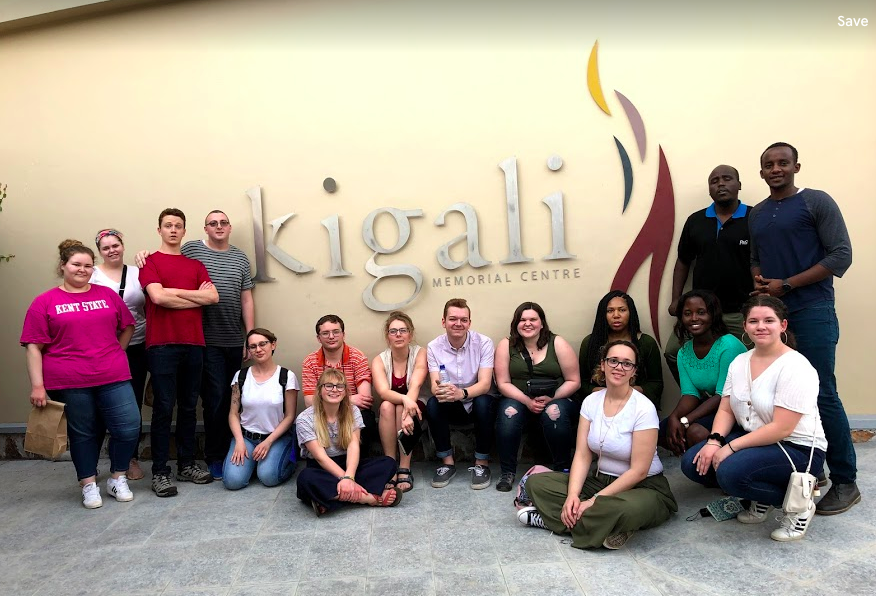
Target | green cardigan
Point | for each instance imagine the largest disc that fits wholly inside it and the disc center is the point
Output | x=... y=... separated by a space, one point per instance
x=649 y=375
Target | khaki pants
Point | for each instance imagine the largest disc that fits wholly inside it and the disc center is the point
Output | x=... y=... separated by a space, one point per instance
x=646 y=505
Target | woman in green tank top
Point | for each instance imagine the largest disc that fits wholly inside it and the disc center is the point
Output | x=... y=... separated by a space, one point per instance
x=537 y=375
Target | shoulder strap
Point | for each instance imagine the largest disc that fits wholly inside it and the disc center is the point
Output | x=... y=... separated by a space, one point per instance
x=525 y=354
x=241 y=379
x=122 y=283
x=284 y=376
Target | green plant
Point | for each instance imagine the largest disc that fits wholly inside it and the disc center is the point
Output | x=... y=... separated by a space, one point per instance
x=6 y=258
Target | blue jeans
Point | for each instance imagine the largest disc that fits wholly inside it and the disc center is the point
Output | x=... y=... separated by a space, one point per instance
x=176 y=380
x=817 y=332
x=91 y=409
x=220 y=364
x=442 y=414
x=757 y=473
x=277 y=467
x=559 y=434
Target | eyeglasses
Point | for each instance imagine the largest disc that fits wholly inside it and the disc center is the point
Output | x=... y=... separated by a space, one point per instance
x=399 y=331
x=221 y=223
x=331 y=333
x=335 y=386
x=624 y=364
x=261 y=344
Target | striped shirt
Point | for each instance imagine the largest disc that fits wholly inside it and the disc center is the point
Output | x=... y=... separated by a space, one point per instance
x=354 y=365
x=229 y=270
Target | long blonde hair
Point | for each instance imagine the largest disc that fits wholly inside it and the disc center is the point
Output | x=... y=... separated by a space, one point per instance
x=345 y=411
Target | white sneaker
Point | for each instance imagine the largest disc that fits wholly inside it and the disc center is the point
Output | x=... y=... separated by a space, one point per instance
x=529 y=516
x=794 y=525
x=757 y=513
x=118 y=488
x=91 y=496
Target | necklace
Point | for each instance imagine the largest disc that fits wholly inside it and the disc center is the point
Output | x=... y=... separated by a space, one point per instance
x=610 y=424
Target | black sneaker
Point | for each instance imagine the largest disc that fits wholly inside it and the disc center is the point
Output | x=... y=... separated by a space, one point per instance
x=839 y=499
x=194 y=473
x=480 y=476
x=443 y=475
x=529 y=516
x=506 y=482
x=162 y=486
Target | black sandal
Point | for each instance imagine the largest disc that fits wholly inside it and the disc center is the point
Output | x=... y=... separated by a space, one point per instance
x=403 y=475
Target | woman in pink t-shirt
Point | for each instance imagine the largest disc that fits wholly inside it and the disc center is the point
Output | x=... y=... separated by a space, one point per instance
x=75 y=336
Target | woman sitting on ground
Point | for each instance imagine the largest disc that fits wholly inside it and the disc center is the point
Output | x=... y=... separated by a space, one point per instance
x=328 y=432
x=398 y=374
x=263 y=401
x=707 y=351
x=772 y=394
x=537 y=375
x=627 y=491
x=617 y=318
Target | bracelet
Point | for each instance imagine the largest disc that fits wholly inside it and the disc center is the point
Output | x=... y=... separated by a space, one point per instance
x=730 y=445
x=718 y=437
x=346 y=478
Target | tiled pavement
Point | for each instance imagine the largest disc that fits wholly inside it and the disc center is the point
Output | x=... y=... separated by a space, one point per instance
x=455 y=541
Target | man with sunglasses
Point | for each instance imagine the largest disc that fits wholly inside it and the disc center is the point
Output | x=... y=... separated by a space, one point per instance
x=335 y=353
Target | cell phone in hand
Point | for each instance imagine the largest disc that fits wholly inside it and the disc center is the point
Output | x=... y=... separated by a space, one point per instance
x=407 y=442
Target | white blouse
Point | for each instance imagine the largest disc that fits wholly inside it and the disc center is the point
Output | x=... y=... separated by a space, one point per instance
x=790 y=382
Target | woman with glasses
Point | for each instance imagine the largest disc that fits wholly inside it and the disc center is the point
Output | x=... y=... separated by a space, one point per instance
x=703 y=360
x=616 y=319
x=398 y=374
x=328 y=433
x=75 y=336
x=125 y=280
x=627 y=491
x=772 y=394
x=263 y=401
x=537 y=375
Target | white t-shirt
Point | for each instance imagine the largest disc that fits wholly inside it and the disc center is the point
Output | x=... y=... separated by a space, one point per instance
x=789 y=382
x=263 y=401
x=135 y=298
x=637 y=414
x=305 y=426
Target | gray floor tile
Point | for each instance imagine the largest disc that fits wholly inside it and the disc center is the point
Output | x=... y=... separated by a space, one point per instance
x=470 y=581
x=348 y=586
x=614 y=576
x=287 y=589
x=521 y=545
x=409 y=584
x=210 y=563
x=339 y=553
x=549 y=579
x=462 y=545
x=276 y=559
x=398 y=551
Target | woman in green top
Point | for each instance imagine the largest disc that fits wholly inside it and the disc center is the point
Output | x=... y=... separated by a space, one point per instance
x=537 y=377
x=703 y=361
x=617 y=318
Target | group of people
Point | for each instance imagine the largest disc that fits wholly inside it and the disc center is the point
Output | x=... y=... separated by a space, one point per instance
x=746 y=416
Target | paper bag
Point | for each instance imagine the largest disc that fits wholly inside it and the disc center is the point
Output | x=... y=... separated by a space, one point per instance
x=47 y=430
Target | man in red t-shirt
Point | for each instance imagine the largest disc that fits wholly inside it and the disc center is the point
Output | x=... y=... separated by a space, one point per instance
x=176 y=288
x=335 y=353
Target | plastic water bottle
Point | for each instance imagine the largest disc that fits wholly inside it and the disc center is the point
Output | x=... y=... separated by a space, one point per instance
x=443 y=375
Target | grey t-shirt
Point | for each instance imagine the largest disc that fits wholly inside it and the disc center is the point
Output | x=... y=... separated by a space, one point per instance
x=230 y=273
x=304 y=426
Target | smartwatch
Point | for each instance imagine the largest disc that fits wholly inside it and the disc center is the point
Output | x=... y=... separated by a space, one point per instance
x=786 y=287
x=684 y=421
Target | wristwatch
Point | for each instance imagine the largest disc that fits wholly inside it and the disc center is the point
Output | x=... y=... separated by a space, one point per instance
x=465 y=394
x=684 y=421
x=786 y=287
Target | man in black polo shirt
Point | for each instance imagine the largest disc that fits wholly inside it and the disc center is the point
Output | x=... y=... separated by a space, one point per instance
x=717 y=239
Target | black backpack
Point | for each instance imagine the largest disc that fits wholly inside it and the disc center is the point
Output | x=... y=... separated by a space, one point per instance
x=241 y=379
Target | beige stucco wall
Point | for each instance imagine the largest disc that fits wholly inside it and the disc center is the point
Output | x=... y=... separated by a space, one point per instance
x=104 y=122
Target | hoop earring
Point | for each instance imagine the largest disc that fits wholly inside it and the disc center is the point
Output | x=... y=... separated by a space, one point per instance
x=785 y=337
x=742 y=339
